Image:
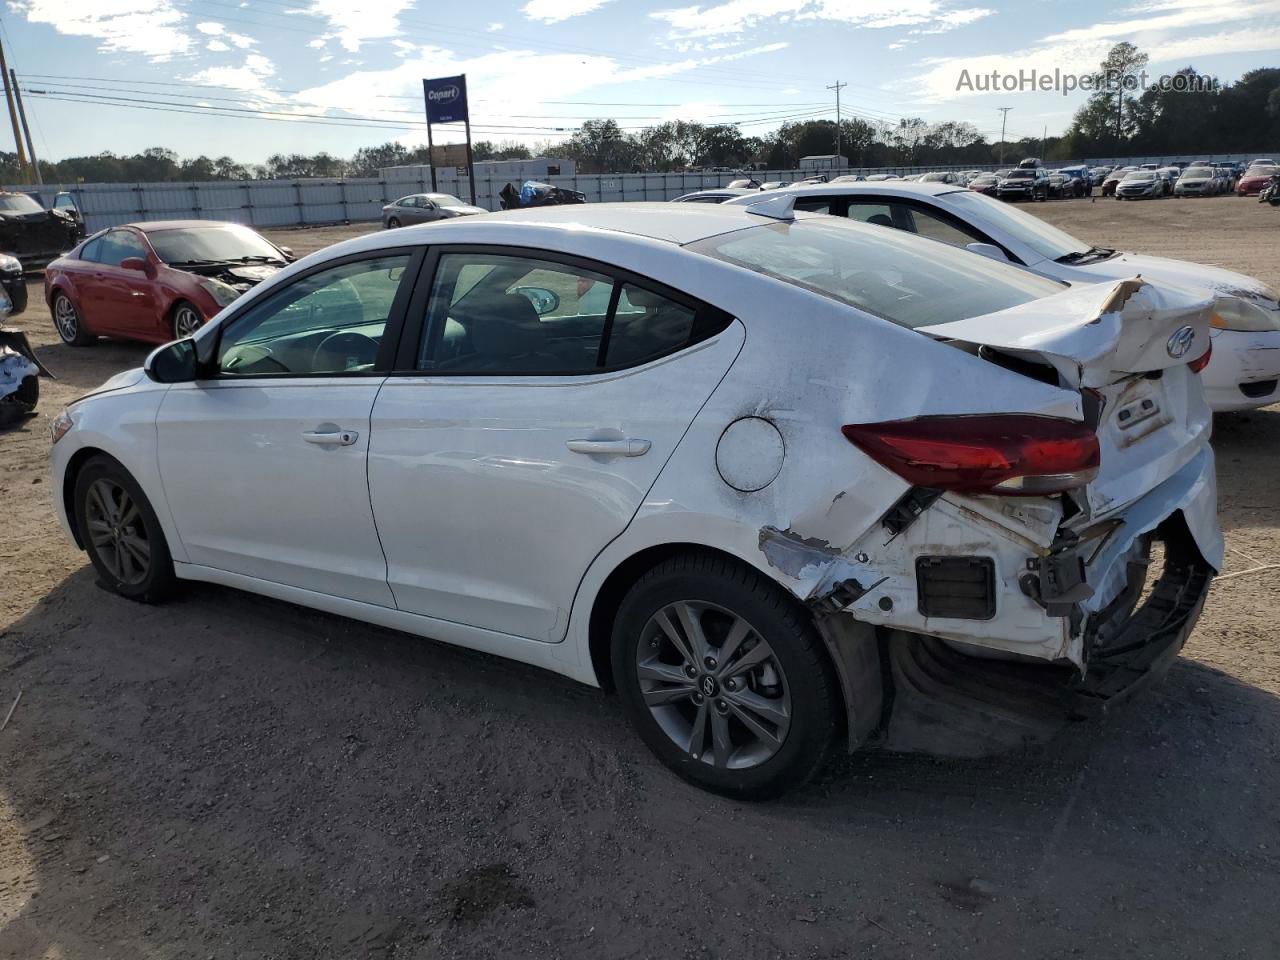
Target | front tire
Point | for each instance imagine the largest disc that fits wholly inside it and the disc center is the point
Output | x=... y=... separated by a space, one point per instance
x=121 y=533
x=185 y=320
x=724 y=676
x=66 y=320
x=393 y=223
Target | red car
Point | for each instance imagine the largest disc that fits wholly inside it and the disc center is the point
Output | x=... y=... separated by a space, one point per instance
x=155 y=281
x=1254 y=179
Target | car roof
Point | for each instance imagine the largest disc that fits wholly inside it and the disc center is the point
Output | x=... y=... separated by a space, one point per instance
x=153 y=226
x=887 y=187
x=676 y=223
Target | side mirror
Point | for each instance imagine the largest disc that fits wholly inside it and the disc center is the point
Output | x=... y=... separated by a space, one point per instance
x=173 y=363
x=988 y=250
x=135 y=263
x=544 y=301
x=288 y=253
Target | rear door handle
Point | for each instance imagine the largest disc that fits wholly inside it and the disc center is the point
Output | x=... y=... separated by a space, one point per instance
x=332 y=438
x=628 y=447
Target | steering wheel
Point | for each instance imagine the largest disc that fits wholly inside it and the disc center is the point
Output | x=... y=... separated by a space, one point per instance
x=355 y=349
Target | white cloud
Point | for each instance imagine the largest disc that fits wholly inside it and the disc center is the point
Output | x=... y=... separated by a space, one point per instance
x=217 y=46
x=1170 y=32
x=494 y=27
x=736 y=16
x=553 y=11
x=249 y=76
x=212 y=28
x=1182 y=13
x=355 y=22
x=498 y=81
x=152 y=28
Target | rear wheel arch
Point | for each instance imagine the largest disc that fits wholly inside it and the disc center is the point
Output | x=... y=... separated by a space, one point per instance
x=630 y=571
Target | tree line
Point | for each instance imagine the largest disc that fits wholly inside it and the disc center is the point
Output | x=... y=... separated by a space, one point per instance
x=1118 y=119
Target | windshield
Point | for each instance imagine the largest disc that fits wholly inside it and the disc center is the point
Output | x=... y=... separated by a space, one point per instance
x=1021 y=175
x=211 y=244
x=1140 y=175
x=445 y=200
x=1046 y=240
x=895 y=275
x=934 y=178
x=19 y=203
x=1197 y=172
x=1261 y=171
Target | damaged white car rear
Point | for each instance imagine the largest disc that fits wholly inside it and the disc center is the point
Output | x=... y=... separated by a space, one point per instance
x=839 y=483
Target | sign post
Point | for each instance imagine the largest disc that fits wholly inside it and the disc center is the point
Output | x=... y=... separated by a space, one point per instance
x=446 y=100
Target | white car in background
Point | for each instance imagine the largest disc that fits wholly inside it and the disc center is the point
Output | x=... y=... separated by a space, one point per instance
x=773 y=499
x=1244 y=372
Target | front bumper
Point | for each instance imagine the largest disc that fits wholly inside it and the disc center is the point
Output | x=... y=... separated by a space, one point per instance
x=1244 y=371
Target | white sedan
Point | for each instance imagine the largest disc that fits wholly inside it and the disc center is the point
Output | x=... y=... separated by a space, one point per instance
x=685 y=451
x=1245 y=370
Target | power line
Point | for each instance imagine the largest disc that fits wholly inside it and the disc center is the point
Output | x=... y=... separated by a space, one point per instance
x=249 y=97
x=368 y=123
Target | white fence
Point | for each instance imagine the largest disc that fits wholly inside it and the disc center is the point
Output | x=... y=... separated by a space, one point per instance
x=291 y=203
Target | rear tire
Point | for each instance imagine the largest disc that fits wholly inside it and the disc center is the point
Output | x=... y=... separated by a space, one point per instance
x=67 y=321
x=121 y=533
x=724 y=676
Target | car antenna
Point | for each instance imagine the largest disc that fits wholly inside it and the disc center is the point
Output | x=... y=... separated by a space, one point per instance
x=779 y=208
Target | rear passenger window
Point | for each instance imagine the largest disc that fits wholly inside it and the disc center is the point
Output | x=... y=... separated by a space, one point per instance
x=875 y=213
x=646 y=326
x=494 y=314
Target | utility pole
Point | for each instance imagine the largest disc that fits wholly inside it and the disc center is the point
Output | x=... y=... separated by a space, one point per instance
x=1044 y=138
x=837 y=87
x=26 y=130
x=1004 y=116
x=13 y=114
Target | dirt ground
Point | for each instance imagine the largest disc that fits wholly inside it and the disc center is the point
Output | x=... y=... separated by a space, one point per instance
x=232 y=777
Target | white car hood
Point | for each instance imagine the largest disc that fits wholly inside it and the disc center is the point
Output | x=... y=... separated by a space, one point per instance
x=1220 y=282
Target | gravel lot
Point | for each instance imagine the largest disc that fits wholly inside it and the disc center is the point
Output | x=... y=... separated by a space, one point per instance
x=231 y=777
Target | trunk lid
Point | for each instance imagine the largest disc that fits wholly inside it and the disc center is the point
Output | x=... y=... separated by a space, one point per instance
x=1126 y=346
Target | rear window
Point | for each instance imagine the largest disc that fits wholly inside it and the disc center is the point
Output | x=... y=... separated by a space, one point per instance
x=903 y=278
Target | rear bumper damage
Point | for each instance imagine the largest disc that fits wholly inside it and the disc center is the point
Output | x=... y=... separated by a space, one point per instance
x=1075 y=621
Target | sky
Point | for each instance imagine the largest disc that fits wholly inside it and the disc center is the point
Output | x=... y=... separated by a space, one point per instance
x=196 y=76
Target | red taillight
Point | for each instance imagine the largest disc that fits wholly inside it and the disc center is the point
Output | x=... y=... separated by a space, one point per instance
x=1202 y=361
x=1008 y=454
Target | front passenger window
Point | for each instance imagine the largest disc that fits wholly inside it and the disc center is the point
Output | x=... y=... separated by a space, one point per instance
x=329 y=322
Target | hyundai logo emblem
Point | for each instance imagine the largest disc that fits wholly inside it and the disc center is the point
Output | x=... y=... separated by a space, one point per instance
x=1181 y=341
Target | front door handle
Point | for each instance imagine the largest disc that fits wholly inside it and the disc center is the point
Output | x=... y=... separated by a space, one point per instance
x=628 y=447
x=331 y=438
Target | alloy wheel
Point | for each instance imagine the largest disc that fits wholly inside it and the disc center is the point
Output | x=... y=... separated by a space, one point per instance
x=65 y=318
x=117 y=534
x=714 y=685
x=186 y=321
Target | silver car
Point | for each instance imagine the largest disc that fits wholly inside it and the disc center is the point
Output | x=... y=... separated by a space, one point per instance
x=424 y=208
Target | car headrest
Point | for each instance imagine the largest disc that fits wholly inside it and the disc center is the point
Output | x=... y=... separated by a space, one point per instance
x=880 y=220
x=644 y=298
x=502 y=325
